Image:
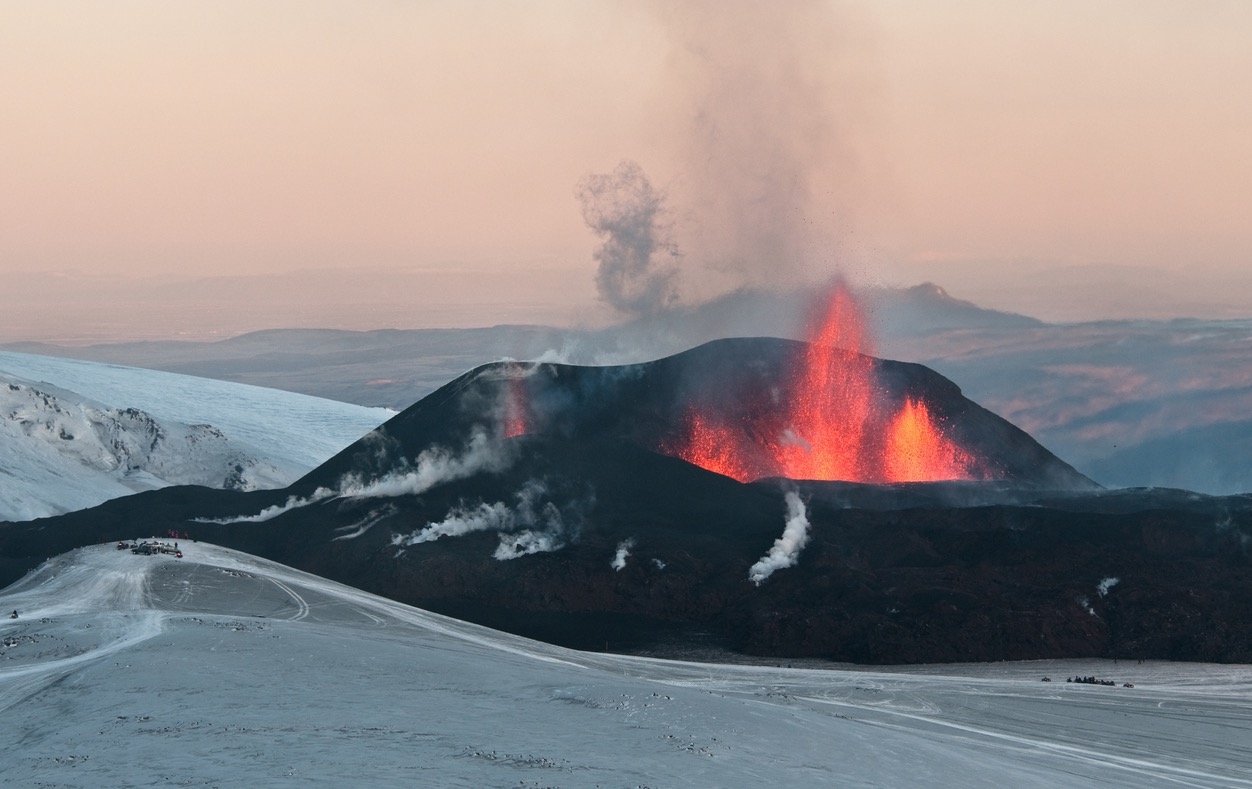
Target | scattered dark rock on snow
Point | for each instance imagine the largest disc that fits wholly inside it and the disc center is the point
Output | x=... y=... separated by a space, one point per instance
x=1010 y=568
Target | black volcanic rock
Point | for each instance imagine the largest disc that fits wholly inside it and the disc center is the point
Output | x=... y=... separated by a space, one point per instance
x=1016 y=568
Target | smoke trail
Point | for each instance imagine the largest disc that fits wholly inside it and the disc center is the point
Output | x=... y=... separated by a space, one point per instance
x=786 y=549
x=638 y=270
x=623 y=551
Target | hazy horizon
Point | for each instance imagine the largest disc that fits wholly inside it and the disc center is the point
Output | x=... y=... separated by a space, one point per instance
x=1068 y=161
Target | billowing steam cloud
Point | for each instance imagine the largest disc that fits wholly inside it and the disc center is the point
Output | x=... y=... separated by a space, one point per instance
x=787 y=548
x=623 y=551
x=533 y=524
x=638 y=270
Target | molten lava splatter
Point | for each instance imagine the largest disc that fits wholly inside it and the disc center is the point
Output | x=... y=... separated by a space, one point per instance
x=917 y=451
x=833 y=421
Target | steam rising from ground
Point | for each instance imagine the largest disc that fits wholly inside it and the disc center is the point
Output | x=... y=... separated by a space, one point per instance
x=533 y=524
x=434 y=466
x=786 y=549
x=623 y=551
x=269 y=513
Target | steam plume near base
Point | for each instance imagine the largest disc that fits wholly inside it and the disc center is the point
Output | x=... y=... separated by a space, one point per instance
x=434 y=466
x=786 y=549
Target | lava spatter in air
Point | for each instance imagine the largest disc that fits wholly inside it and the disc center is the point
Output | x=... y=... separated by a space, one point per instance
x=832 y=420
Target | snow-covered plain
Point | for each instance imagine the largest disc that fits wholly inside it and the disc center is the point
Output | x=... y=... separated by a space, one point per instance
x=74 y=434
x=225 y=669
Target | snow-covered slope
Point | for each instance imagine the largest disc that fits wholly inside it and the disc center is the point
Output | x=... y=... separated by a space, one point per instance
x=74 y=434
x=221 y=669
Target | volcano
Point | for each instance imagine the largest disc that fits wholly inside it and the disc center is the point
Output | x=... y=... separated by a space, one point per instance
x=564 y=503
x=745 y=387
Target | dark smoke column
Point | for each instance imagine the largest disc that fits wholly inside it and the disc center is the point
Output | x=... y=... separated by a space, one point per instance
x=638 y=262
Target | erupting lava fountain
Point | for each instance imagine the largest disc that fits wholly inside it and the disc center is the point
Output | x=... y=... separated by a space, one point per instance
x=830 y=419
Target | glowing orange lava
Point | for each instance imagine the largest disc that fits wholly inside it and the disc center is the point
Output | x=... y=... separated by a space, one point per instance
x=918 y=452
x=833 y=421
x=513 y=422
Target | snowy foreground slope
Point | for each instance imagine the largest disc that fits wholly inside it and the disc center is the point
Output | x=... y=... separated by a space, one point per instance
x=74 y=434
x=225 y=669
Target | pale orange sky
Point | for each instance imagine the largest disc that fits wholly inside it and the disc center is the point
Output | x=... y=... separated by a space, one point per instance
x=972 y=143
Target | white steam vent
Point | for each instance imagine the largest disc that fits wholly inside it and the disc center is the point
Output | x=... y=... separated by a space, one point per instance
x=787 y=548
x=623 y=551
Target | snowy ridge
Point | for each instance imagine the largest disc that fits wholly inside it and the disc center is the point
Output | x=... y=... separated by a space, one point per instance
x=245 y=671
x=62 y=454
x=61 y=451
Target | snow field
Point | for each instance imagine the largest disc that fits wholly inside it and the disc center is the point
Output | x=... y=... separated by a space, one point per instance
x=222 y=668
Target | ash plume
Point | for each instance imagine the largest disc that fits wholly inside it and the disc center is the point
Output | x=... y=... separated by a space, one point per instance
x=764 y=110
x=638 y=262
x=767 y=106
x=786 y=549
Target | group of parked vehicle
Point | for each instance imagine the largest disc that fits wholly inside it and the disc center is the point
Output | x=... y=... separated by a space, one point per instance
x=151 y=548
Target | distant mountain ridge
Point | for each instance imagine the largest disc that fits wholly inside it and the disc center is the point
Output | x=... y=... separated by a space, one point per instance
x=396 y=367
